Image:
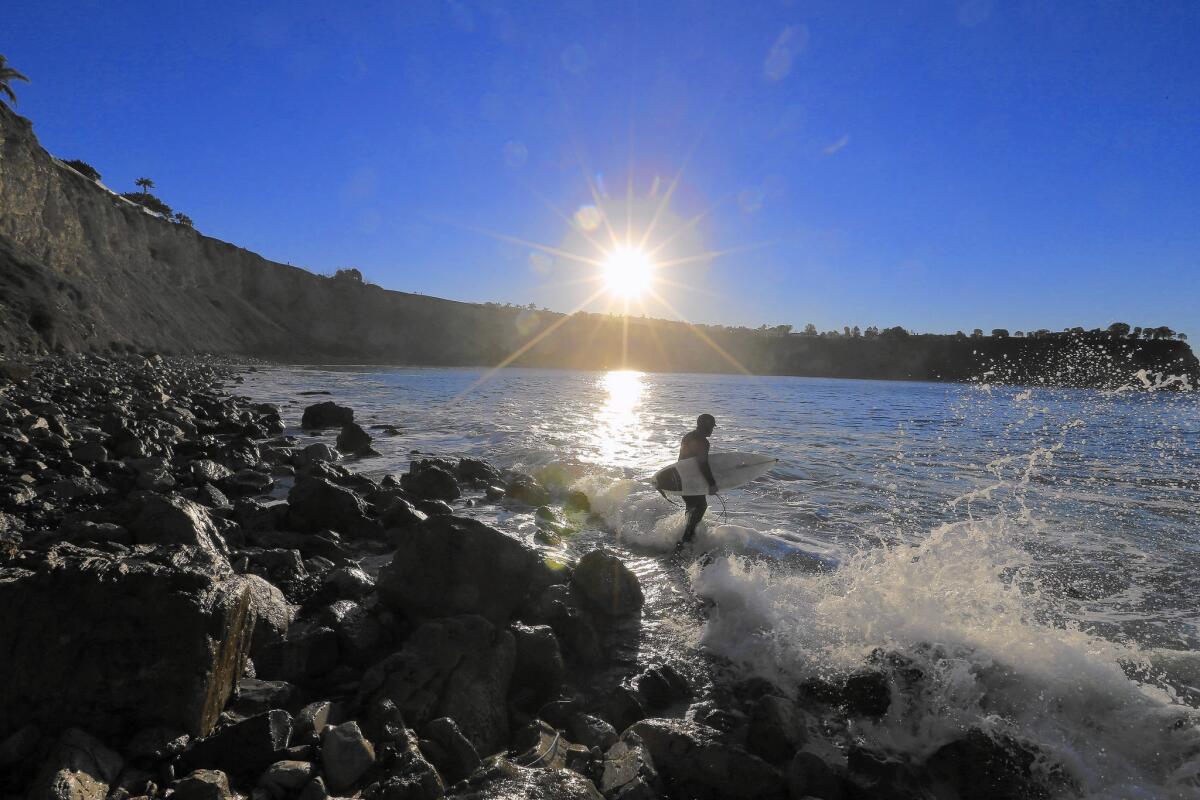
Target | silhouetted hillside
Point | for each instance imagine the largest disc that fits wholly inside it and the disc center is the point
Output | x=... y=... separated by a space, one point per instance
x=82 y=268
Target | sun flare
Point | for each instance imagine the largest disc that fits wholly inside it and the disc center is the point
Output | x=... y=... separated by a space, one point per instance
x=627 y=271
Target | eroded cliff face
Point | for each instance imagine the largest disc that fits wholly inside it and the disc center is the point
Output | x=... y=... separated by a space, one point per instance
x=83 y=269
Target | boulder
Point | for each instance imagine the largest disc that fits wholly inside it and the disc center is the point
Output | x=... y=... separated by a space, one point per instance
x=326 y=415
x=171 y=519
x=79 y=767
x=534 y=784
x=525 y=489
x=272 y=615
x=809 y=776
x=539 y=669
x=348 y=583
x=455 y=565
x=409 y=775
x=245 y=748
x=461 y=759
x=693 y=759
x=777 y=728
x=102 y=641
x=473 y=470
x=317 y=503
x=459 y=668
x=203 y=784
x=660 y=686
x=608 y=585
x=628 y=769
x=429 y=481
x=353 y=439
x=992 y=768
x=591 y=731
x=346 y=755
x=287 y=777
x=316 y=454
x=401 y=514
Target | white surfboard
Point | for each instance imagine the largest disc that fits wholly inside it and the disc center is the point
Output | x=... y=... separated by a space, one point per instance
x=731 y=470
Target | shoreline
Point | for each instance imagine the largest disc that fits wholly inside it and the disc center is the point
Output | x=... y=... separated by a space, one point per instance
x=266 y=661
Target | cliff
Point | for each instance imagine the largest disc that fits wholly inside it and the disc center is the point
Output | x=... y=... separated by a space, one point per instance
x=84 y=269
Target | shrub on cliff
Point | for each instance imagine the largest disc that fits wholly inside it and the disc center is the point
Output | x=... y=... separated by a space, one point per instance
x=83 y=168
x=184 y=219
x=7 y=75
x=149 y=201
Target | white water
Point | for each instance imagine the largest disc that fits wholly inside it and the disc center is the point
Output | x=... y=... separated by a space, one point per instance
x=1034 y=551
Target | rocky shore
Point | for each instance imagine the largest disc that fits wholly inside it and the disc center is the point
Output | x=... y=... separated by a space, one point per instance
x=197 y=605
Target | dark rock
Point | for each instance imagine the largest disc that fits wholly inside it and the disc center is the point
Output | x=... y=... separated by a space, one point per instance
x=809 y=776
x=205 y=470
x=317 y=503
x=19 y=747
x=326 y=415
x=157 y=743
x=455 y=565
x=623 y=707
x=428 y=481
x=628 y=769
x=272 y=616
x=473 y=470
x=309 y=651
x=434 y=508
x=173 y=624
x=359 y=632
x=694 y=760
x=777 y=729
x=313 y=718
x=203 y=784
x=867 y=694
x=661 y=685
x=245 y=748
x=592 y=731
x=314 y=790
x=534 y=784
x=89 y=453
x=348 y=583
x=987 y=768
x=409 y=775
x=247 y=482
x=525 y=489
x=346 y=755
x=316 y=454
x=256 y=696
x=608 y=585
x=493 y=493
x=79 y=767
x=174 y=520
x=459 y=668
x=401 y=514
x=461 y=759
x=285 y=778
x=578 y=503
x=353 y=439
x=539 y=669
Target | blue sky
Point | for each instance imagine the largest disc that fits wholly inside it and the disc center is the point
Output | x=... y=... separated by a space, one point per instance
x=938 y=165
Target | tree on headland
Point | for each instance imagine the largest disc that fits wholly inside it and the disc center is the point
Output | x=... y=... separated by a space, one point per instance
x=1181 y=337
x=810 y=329
x=83 y=168
x=1119 y=329
x=184 y=219
x=7 y=75
x=145 y=183
x=1000 y=333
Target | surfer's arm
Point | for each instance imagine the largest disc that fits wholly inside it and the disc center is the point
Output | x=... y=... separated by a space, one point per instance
x=706 y=471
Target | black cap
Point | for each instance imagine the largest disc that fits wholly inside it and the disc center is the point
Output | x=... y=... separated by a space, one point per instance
x=706 y=418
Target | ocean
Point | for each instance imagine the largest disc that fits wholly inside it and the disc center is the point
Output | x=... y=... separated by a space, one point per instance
x=1034 y=551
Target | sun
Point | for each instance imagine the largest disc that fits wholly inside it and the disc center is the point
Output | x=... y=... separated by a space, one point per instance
x=627 y=271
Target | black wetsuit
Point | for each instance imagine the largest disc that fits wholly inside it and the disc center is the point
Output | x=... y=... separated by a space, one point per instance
x=695 y=445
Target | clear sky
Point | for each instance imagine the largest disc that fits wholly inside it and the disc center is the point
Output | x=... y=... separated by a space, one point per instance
x=939 y=165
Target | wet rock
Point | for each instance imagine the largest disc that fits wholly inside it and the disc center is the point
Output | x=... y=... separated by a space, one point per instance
x=317 y=503
x=272 y=615
x=694 y=760
x=19 y=747
x=628 y=769
x=460 y=668
x=79 y=767
x=359 y=632
x=473 y=470
x=409 y=775
x=174 y=520
x=174 y=625
x=660 y=686
x=592 y=731
x=538 y=744
x=809 y=776
x=316 y=454
x=525 y=489
x=429 y=481
x=313 y=718
x=85 y=531
x=256 y=696
x=309 y=651
x=578 y=503
x=314 y=790
x=493 y=493
x=434 y=508
x=205 y=470
x=247 y=482
x=203 y=784
x=989 y=768
x=346 y=755
x=326 y=415
x=89 y=453
x=353 y=439
x=287 y=777
x=535 y=784
x=157 y=743
x=461 y=759
x=455 y=565
x=608 y=585
x=348 y=583
x=539 y=670
x=245 y=748
x=400 y=514
x=777 y=729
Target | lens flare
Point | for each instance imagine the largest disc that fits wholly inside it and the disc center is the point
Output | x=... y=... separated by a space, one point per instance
x=628 y=271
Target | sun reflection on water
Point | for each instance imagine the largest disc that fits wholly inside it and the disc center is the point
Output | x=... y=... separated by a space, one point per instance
x=619 y=431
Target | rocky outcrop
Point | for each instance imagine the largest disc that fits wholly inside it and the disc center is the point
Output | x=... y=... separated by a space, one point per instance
x=104 y=642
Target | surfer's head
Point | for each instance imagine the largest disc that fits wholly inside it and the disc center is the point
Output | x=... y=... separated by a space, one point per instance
x=705 y=423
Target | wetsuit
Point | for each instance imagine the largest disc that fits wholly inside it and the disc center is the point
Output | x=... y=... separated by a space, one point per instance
x=695 y=445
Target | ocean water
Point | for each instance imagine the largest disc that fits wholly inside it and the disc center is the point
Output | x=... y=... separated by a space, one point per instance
x=1035 y=551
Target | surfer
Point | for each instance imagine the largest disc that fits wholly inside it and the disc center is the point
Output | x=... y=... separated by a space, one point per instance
x=695 y=445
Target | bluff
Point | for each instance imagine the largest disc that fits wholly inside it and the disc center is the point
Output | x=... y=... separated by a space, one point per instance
x=82 y=269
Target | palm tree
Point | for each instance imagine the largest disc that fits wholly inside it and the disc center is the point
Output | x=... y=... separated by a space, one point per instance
x=145 y=183
x=7 y=74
